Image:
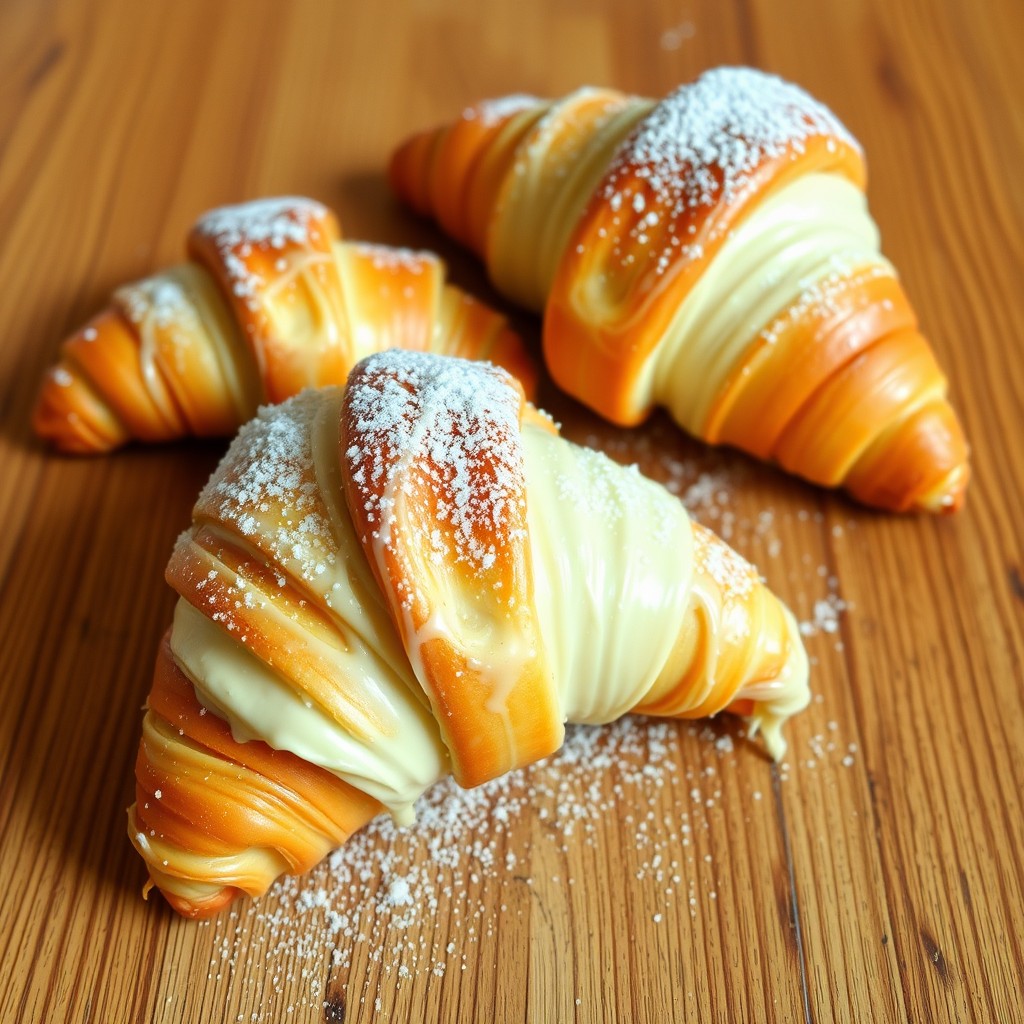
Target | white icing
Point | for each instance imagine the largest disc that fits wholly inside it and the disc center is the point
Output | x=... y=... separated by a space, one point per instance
x=286 y=463
x=803 y=233
x=557 y=167
x=259 y=704
x=613 y=566
x=612 y=560
x=776 y=700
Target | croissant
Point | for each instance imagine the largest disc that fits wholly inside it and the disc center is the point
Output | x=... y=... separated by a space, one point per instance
x=410 y=577
x=271 y=301
x=712 y=253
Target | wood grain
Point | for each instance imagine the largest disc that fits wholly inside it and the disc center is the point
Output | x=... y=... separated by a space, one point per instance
x=877 y=875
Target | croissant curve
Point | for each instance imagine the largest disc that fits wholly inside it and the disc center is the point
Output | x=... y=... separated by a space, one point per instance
x=711 y=253
x=271 y=301
x=410 y=577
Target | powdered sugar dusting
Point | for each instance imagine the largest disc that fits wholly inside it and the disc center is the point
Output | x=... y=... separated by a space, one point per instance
x=266 y=488
x=702 y=145
x=160 y=301
x=826 y=612
x=829 y=295
x=711 y=482
x=732 y=574
x=415 y=901
x=394 y=259
x=267 y=224
x=419 y=425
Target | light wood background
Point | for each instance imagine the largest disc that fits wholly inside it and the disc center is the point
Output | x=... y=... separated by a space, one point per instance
x=878 y=877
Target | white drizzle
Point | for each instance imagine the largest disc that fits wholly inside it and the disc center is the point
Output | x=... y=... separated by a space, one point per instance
x=612 y=556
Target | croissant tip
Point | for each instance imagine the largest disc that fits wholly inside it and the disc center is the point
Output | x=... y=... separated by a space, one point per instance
x=200 y=909
x=66 y=416
x=948 y=496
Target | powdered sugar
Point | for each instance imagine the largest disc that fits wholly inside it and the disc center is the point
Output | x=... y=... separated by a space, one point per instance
x=160 y=301
x=673 y=38
x=826 y=612
x=269 y=224
x=412 y=901
x=702 y=146
x=394 y=259
x=826 y=296
x=733 y=575
x=266 y=488
x=425 y=428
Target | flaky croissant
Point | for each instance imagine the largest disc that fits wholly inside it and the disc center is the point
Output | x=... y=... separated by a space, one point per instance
x=271 y=301
x=414 y=576
x=711 y=253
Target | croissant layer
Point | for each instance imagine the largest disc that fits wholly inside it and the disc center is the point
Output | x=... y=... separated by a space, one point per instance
x=271 y=301
x=411 y=577
x=712 y=253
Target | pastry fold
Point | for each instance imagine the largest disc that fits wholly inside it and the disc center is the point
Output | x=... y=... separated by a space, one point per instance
x=271 y=301
x=712 y=253
x=414 y=576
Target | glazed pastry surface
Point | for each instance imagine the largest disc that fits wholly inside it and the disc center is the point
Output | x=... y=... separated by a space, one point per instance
x=271 y=301
x=712 y=253
x=417 y=576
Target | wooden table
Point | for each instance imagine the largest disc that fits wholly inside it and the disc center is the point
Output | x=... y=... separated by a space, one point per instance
x=876 y=875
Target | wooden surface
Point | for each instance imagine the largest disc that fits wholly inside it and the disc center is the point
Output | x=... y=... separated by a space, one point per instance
x=877 y=875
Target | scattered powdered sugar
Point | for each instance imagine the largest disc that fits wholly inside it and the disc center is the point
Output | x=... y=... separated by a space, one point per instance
x=394 y=259
x=825 y=296
x=827 y=746
x=401 y=903
x=702 y=144
x=275 y=223
x=673 y=38
x=395 y=904
x=710 y=482
x=266 y=488
x=827 y=610
x=733 y=575
x=701 y=147
x=423 y=428
x=161 y=304
x=160 y=301
x=490 y=112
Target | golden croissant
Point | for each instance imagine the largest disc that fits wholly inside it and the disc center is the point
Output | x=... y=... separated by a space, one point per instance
x=711 y=253
x=414 y=576
x=271 y=301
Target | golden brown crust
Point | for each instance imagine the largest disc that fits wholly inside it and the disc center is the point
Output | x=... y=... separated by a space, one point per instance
x=357 y=556
x=433 y=474
x=283 y=813
x=677 y=186
x=272 y=303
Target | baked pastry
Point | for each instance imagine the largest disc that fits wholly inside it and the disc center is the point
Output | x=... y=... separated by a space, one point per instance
x=271 y=301
x=414 y=576
x=711 y=253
